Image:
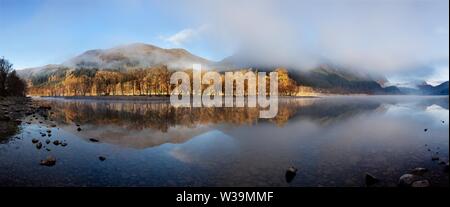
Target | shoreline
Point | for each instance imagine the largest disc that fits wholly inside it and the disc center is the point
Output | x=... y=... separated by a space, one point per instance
x=12 y=110
x=133 y=98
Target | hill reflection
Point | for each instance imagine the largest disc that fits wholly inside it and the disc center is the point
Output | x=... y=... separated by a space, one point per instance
x=146 y=124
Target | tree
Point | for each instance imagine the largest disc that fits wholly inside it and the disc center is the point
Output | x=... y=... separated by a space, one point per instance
x=5 y=69
x=14 y=85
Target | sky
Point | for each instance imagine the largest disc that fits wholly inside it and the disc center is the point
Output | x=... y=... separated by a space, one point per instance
x=405 y=40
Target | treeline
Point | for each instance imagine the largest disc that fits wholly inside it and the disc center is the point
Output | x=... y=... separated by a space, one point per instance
x=10 y=83
x=154 y=81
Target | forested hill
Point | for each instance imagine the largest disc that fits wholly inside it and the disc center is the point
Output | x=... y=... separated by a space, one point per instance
x=144 y=69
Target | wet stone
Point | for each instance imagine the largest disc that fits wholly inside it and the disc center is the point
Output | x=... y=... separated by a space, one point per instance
x=370 y=179
x=56 y=142
x=420 y=184
x=93 y=140
x=407 y=179
x=39 y=145
x=49 y=161
x=291 y=172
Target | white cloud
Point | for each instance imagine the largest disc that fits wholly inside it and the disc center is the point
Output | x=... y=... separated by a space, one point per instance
x=184 y=36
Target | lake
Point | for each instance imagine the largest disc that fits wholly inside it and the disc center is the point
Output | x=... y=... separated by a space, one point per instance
x=332 y=141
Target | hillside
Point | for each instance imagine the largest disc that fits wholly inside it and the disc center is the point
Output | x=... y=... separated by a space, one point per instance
x=426 y=89
x=133 y=58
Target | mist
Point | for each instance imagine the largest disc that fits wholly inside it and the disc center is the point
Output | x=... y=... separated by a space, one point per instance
x=385 y=37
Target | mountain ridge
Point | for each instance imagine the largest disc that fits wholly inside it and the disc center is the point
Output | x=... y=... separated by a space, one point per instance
x=327 y=77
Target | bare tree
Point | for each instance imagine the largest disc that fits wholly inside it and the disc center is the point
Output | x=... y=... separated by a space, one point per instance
x=5 y=69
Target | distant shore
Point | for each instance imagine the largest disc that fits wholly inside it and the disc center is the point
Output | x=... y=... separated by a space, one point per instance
x=133 y=98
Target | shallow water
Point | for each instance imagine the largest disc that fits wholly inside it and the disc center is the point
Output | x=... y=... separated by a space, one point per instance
x=333 y=141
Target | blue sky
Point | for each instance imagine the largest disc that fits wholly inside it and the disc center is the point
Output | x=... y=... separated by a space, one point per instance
x=39 y=32
x=403 y=39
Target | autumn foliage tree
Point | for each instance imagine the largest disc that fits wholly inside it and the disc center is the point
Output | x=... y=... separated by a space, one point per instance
x=151 y=81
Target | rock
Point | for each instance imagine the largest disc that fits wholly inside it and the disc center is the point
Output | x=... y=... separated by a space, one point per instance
x=63 y=144
x=370 y=179
x=49 y=161
x=34 y=140
x=39 y=145
x=407 y=179
x=425 y=130
x=56 y=142
x=101 y=158
x=93 y=140
x=18 y=121
x=434 y=158
x=78 y=129
x=47 y=149
x=49 y=131
x=47 y=141
x=53 y=125
x=419 y=171
x=291 y=172
x=420 y=184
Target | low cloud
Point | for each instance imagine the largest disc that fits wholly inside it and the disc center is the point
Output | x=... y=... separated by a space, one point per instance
x=388 y=37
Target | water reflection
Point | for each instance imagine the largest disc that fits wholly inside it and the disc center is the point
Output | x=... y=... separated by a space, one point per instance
x=333 y=141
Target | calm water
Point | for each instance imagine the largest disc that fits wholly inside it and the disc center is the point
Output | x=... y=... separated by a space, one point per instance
x=333 y=141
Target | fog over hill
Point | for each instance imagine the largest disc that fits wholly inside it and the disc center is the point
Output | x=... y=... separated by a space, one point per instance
x=327 y=76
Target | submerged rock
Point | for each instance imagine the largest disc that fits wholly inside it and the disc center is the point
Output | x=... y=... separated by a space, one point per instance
x=34 y=140
x=420 y=184
x=39 y=145
x=101 y=158
x=93 y=140
x=370 y=179
x=63 y=144
x=434 y=158
x=56 y=142
x=47 y=141
x=49 y=161
x=291 y=172
x=425 y=130
x=78 y=129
